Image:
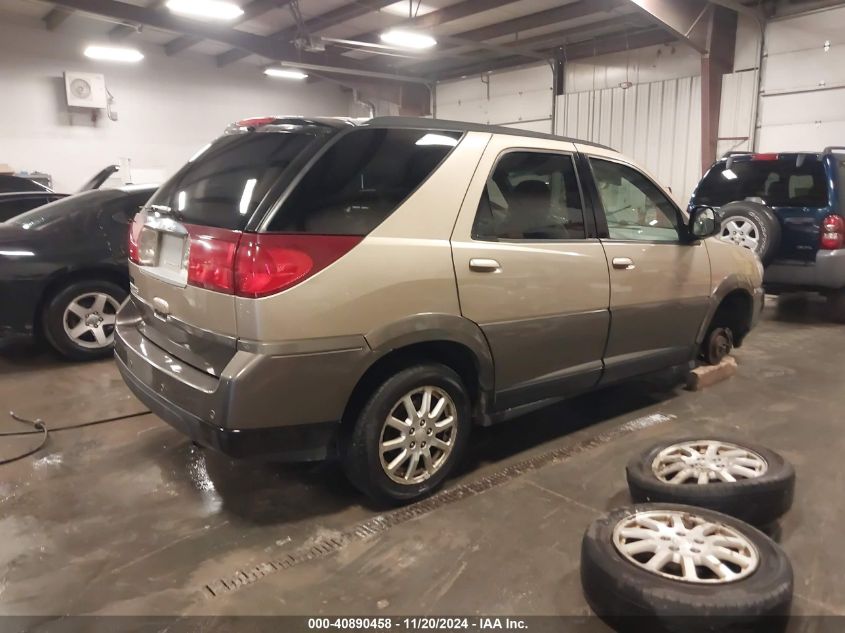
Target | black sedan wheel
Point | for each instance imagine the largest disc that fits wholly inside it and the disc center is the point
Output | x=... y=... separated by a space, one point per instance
x=662 y=567
x=79 y=320
x=750 y=482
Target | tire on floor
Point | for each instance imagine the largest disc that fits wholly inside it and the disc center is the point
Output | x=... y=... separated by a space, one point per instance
x=620 y=589
x=762 y=493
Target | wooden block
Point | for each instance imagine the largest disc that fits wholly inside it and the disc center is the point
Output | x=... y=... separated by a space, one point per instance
x=708 y=375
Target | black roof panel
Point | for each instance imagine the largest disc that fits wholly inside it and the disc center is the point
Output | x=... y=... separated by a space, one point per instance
x=465 y=126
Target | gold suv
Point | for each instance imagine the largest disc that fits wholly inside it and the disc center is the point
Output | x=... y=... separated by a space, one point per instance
x=313 y=288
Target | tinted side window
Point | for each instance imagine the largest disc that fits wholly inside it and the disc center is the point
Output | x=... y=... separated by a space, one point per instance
x=634 y=207
x=16 y=206
x=531 y=196
x=16 y=183
x=361 y=179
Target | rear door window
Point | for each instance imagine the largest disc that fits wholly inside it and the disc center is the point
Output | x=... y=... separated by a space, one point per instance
x=531 y=196
x=222 y=186
x=777 y=183
x=361 y=179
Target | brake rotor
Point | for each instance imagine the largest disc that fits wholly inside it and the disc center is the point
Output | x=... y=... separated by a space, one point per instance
x=719 y=344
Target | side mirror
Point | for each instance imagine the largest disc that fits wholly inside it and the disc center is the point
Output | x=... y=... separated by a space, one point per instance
x=703 y=223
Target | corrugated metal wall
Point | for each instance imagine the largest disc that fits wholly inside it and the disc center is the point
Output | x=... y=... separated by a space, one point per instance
x=519 y=98
x=737 y=113
x=657 y=124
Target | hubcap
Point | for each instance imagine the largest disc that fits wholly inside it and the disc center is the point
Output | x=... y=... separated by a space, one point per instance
x=742 y=232
x=418 y=435
x=89 y=320
x=685 y=547
x=707 y=461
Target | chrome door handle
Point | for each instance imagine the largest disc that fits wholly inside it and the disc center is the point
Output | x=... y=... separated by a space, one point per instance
x=623 y=263
x=481 y=265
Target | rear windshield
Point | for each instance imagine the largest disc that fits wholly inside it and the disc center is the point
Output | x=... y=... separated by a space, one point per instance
x=223 y=185
x=778 y=183
x=361 y=179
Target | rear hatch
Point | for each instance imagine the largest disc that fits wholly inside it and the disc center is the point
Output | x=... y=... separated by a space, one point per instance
x=794 y=185
x=183 y=242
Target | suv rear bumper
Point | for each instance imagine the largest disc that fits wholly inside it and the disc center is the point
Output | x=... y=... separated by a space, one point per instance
x=275 y=405
x=304 y=442
x=826 y=272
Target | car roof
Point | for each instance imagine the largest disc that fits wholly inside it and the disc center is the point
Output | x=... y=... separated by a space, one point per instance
x=413 y=122
x=465 y=126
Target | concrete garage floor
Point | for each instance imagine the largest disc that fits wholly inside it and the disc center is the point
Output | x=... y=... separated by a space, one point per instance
x=129 y=518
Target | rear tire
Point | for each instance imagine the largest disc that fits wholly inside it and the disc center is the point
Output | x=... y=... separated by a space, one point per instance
x=395 y=455
x=753 y=226
x=79 y=319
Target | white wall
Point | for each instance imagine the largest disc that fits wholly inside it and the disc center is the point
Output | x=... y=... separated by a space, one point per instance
x=802 y=102
x=640 y=66
x=520 y=98
x=168 y=106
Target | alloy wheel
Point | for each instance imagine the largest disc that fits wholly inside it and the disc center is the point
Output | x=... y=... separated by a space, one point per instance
x=707 y=461
x=418 y=435
x=685 y=547
x=742 y=232
x=89 y=320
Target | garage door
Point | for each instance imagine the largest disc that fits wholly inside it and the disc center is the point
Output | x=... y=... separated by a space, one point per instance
x=519 y=98
x=802 y=105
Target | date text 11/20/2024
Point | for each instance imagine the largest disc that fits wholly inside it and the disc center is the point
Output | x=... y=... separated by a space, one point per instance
x=413 y=624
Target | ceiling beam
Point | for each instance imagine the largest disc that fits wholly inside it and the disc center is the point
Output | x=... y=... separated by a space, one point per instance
x=268 y=47
x=253 y=10
x=318 y=23
x=55 y=17
x=543 y=43
x=434 y=19
x=475 y=38
x=581 y=50
x=571 y=11
x=686 y=19
x=122 y=31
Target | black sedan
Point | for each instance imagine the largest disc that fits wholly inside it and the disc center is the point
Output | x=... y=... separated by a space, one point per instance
x=63 y=271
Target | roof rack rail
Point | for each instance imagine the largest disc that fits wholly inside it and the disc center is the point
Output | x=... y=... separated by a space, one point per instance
x=830 y=148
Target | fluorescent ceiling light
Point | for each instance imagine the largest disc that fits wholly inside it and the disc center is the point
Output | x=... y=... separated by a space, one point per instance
x=211 y=9
x=114 y=53
x=285 y=73
x=437 y=139
x=407 y=39
x=401 y=9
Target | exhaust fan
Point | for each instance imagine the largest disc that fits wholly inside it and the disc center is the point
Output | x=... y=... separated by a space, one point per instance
x=85 y=90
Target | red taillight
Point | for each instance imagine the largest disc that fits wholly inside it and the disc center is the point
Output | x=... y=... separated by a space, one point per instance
x=269 y=263
x=211 y=257
x=134 y=233
x=764 y=157
x=833 y=233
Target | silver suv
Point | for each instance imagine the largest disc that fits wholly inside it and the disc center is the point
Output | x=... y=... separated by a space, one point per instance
x=313 y=288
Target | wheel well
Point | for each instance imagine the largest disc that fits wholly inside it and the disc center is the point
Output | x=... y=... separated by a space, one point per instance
x=65 y=278
x=735 y=312
x=454 y=355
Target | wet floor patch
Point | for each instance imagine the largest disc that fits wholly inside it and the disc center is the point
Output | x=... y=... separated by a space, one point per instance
x=334 y=542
